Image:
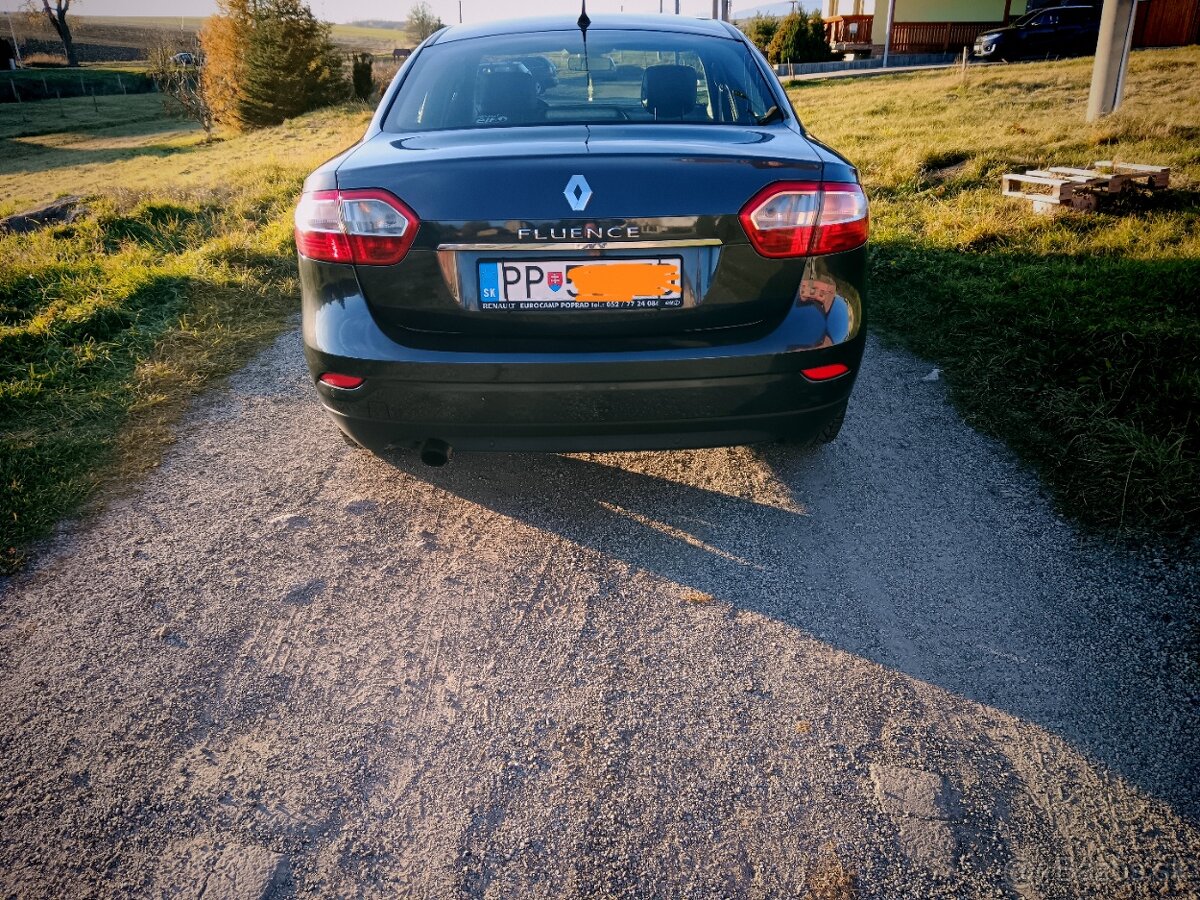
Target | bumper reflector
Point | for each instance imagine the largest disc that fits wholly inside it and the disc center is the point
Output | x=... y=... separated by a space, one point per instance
x=825 y=373
x=345 y=382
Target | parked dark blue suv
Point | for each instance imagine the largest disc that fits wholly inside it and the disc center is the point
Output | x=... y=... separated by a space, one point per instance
x=1044 y=33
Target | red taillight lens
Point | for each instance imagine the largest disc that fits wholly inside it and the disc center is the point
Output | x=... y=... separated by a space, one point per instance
x=844 y=222
x=364 y=227
x=825 y=373
x=345 y=382
x=319 y=232
x=799 y=218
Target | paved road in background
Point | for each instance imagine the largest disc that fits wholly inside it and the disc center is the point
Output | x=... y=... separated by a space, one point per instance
x=882 y=669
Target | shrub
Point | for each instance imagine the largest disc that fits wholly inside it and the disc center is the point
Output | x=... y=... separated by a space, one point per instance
x=268 y=60
x=361 y=77
x=761 y=30
x=224 y=38
x=799 y=38
x=182 y=88
x=45 y=61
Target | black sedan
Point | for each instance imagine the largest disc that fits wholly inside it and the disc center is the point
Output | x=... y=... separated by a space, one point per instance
x=1050 y=32
x=648 y=262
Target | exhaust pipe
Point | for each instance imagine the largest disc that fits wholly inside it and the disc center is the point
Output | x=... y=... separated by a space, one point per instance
x=435 y=453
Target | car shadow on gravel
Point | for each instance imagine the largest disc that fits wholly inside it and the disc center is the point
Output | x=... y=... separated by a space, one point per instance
x=953 y=594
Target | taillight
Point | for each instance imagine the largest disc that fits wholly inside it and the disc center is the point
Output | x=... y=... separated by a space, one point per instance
x=825 y=373
x=338 y=380
x=365 y=227
x=802 y=218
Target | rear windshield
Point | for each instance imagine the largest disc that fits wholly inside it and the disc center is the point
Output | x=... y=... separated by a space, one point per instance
x=645 y=77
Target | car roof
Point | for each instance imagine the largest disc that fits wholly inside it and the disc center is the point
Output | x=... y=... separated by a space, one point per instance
x=599 y=22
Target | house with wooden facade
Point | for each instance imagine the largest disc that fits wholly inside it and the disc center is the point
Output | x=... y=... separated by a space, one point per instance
x=937 y=26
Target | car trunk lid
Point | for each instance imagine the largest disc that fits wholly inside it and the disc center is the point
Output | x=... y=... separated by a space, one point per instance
x=567 y=195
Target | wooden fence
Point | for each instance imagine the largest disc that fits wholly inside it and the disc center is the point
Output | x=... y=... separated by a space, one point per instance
x=848 y=30
x=1166 y=23
x=935 y=37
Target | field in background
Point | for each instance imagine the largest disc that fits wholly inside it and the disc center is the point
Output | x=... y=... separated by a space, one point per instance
x=1075 y=337
x=25 y=85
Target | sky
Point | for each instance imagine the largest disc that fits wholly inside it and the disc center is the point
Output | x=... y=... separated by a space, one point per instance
x=351 y=10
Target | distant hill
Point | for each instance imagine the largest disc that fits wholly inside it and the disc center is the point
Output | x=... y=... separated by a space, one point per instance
x=111 y=38
x=393 y=24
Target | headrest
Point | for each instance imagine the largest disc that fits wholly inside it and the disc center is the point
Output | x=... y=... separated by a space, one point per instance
x=669 y=91
x=510 y=92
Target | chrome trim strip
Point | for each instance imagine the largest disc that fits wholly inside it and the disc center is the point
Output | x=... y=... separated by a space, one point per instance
x=581 y=245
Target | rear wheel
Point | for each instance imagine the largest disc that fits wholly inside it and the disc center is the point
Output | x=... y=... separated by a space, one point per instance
x=826 y=435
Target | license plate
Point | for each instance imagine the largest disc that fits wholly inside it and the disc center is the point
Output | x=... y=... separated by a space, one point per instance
x=647 y=283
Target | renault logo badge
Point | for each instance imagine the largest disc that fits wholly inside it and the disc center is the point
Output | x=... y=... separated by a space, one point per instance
x=578 y=193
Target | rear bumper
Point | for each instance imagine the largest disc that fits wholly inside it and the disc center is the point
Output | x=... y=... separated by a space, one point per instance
x=572 y=401
x=574 y=418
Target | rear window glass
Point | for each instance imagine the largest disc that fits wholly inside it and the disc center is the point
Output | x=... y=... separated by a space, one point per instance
x=624 y=77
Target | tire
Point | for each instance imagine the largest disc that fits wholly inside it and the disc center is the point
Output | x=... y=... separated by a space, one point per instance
x=832 y=429
x=826 y=435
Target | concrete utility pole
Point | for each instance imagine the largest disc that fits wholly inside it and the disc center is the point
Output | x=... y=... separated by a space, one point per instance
x=1112 y=57
x=887 y=31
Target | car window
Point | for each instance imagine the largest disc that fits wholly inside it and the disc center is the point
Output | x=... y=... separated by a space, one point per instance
x=639 y=77
x=1036 y=20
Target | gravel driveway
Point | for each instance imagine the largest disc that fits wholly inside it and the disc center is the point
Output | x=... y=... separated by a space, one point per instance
x=882 y=669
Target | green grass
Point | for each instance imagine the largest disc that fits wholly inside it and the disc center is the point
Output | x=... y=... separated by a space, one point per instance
x=1075 y=337
x=109 y=325
x=42 y=84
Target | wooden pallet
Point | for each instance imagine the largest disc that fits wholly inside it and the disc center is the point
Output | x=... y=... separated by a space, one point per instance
x=1153 y=177
x=1102 y=182
x=1048 y=193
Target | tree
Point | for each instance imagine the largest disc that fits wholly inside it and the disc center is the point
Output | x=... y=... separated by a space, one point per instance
x=182 y=88
x=224 y=39
x=761 y=30
x=422 y=22
x=799 y=38
x=292 y=65
x=57 y=16
x=268 y=60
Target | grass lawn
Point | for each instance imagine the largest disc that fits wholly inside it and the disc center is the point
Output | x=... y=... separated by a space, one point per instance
x=1076 y=338
x=182 y=267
